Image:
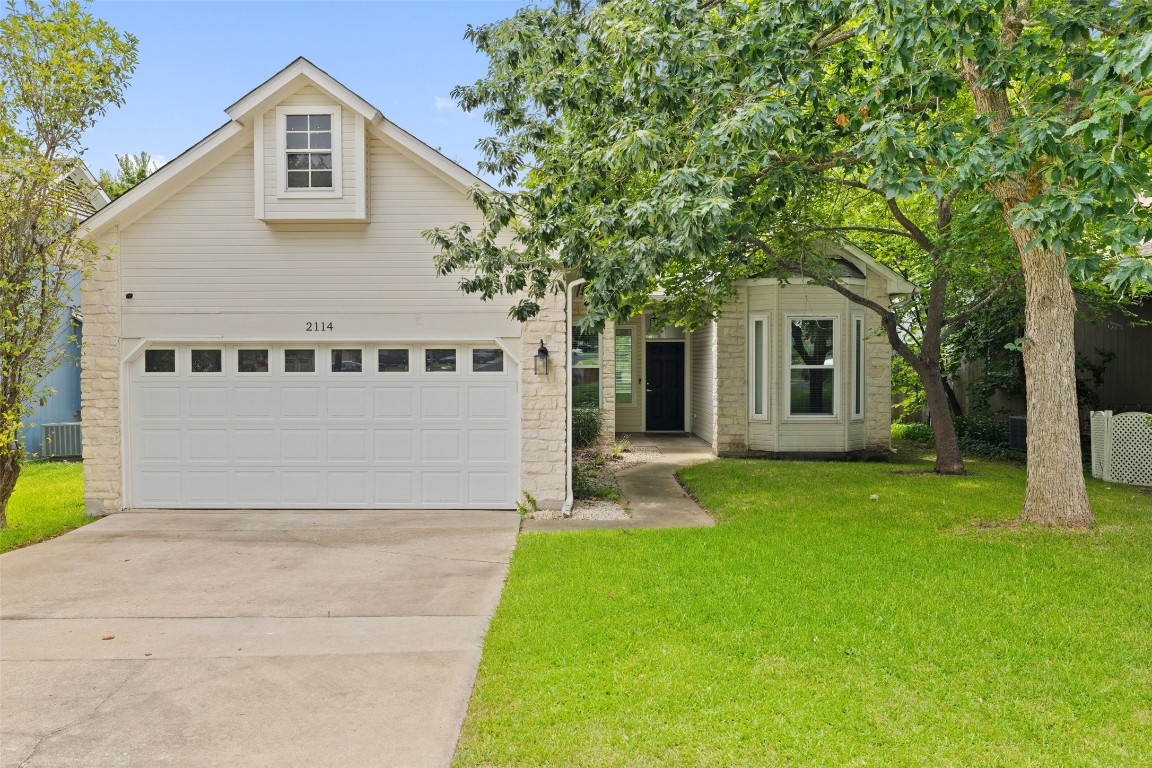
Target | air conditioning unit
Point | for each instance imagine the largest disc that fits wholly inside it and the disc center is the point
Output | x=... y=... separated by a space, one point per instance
x=1018 y=433
x=61 y=441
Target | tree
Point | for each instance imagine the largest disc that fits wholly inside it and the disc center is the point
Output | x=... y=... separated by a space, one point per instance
x=130 y=171
x=60 y=69
x=672 y=143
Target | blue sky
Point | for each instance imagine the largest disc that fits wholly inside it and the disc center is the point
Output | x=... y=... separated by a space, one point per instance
x=196 y=58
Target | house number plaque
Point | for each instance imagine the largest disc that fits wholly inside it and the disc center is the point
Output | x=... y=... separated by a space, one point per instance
x=317 y=326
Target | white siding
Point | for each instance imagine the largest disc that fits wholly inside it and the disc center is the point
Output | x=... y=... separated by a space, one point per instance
x=201 y=254
x=703 y=366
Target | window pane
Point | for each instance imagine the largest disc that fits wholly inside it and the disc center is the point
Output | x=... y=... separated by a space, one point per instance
x=321 y=161
x=586 y=386
x=297 y=161
x=347 y=361
x=160 y=361
x=297 y=179
x=252 y=361
x=392 y=360
x=297 y=141
x=296 y=122
x=811 y=342
x=585 y=349
x=299 y=361
x=488 y=360
x=758 y=368
x=320 y=141
x=322 y=178
x=439 y=360
x=207 y=361
x=320 y=122
x=812 y=391
x=624 y=366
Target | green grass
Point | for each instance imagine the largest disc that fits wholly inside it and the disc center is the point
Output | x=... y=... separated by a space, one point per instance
x=818 y=627
x=48 y=501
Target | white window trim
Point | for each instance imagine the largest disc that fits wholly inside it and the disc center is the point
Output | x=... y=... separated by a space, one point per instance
x=635 y=403
x=282 y=190
x=859 y=377
x=786 y=379
x=765 y=387
x=599 y=364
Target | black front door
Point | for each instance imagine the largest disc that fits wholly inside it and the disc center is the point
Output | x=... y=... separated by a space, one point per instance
x=664 y=396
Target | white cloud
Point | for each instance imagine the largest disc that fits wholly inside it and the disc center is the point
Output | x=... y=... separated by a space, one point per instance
x=443 y=105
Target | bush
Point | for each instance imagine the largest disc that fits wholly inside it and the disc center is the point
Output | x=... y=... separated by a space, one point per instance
x=586 y=423
x=914 y=432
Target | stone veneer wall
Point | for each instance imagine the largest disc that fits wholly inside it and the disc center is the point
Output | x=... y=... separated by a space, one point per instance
x=100 y=385
x=543 y=407
x=608 y=385
x=877 y=372
x=732 y=376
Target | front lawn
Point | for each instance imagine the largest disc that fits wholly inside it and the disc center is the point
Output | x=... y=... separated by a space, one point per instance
x=49 y=500
x=819 y=627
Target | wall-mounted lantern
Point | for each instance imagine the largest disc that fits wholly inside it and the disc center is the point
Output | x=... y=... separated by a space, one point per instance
x=541 y=360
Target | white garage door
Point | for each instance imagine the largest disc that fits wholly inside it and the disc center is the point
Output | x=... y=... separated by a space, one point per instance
x=267 y=426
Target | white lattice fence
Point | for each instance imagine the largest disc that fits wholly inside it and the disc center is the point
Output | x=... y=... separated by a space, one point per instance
x=1122 y=447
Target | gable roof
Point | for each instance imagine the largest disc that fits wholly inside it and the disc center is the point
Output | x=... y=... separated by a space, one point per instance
x=212 y=149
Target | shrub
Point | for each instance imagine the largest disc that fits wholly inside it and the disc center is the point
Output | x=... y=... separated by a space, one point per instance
x=914 y=432
x=587 y=484
x=586 y=423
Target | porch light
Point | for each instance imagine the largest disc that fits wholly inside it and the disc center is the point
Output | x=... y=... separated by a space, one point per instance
x=541 y=360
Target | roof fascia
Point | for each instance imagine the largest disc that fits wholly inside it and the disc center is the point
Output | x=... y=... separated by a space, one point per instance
x=414 y=148
x=290 y=79
x=897 y=285
x=166 y=180
x=90 y=186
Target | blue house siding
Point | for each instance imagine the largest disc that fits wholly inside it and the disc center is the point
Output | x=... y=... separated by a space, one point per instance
x=64 y=405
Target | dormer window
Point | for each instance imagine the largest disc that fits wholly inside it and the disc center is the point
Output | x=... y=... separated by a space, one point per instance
x=308 y=150
x=308 y=141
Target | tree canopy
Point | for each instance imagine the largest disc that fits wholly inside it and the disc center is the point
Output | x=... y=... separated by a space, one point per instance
x=677 y=145
x=60 y=69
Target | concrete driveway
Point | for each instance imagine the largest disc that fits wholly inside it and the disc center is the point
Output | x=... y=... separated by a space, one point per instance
x=247 y=638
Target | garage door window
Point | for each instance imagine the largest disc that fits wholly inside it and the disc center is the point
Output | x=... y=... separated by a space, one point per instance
x=252 y=361
x=299 y=361
x=392 y=360
x=160 y=361
x=439 y=360
x=487 y=360
x=207 y=361
x=347 y=360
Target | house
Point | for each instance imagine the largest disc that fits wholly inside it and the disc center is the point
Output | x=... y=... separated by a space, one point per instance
x=62 y=407
x=270 y=332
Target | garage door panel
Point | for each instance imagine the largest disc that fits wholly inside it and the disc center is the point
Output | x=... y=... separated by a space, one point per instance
x=255 y=489
x=348 y=403
x=206 y=444
x=299 y=402
x=418 y=439
x=396 y=445
x=253 y=444
x=252 y=402
x=440 y=402
x=348 y=445
x=207 y=402
x=300 y=488
x=393 y=402
x=300 y=445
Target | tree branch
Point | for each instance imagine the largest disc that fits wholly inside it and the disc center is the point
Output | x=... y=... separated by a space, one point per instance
x=917 y=234
x=876 y=230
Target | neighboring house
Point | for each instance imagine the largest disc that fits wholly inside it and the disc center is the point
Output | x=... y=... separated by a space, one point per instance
x=270 y=332
x=63 y=406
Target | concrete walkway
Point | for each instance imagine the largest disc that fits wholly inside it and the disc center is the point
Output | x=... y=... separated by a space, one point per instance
x=650 y=490
x=247 y=638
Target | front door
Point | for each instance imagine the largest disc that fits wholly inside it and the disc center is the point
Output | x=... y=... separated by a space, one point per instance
x=664 y=394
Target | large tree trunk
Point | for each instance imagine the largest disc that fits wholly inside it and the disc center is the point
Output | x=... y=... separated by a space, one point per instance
x=949 y=461
x=9 y=474
x=1055 y=493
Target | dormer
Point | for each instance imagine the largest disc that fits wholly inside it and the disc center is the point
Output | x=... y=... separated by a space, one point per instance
x=309 y=146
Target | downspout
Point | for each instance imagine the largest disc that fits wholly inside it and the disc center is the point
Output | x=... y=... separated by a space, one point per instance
x=566 y=510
